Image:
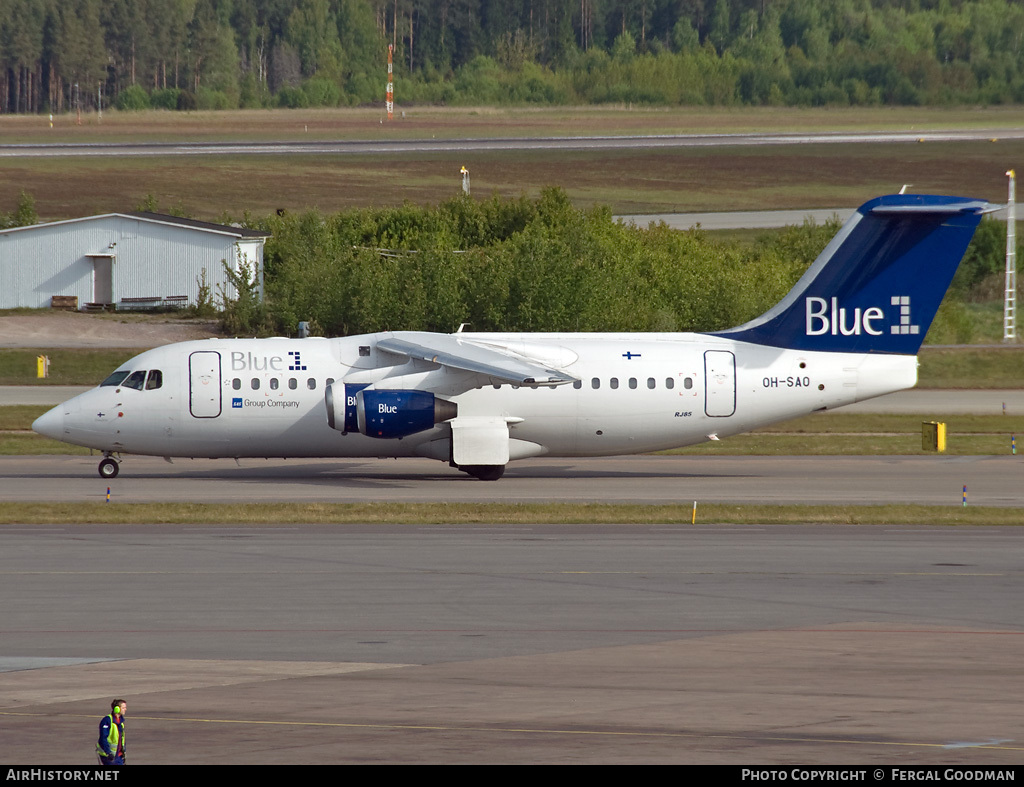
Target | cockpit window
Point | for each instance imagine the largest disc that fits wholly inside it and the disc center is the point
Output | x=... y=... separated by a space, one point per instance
x=135 y=380
x=155 y=379
x=115 y=378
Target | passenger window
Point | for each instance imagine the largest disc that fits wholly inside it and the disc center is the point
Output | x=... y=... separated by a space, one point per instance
x=670 y=383
x=688 y=383
x=237 y=384
x=595 y=383
x=651 y=383
x=274 y=383
x=330 y=381
x=311 y=383
x=114 y=379
x=578 y=384
x=255 y=383
x=293 y=383
x=155 y=380
x=613 y=383
x=135 y=380
x=632 y=382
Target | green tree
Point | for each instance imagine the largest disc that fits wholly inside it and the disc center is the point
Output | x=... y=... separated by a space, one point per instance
x=24 y=214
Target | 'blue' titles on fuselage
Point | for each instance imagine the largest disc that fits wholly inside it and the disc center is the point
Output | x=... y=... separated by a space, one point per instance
x=246 y=361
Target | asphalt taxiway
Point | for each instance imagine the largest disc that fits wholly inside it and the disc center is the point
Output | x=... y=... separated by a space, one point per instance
x=519 y=644
x=522 y=644
x=852 y=480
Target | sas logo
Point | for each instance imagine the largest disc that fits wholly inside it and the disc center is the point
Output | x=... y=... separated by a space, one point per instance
x=828 y=317
x=236 y=404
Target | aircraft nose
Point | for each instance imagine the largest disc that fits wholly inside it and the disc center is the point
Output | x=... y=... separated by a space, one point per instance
x=50 y=423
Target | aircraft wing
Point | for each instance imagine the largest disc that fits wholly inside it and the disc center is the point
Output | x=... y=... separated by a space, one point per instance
x=457 y=353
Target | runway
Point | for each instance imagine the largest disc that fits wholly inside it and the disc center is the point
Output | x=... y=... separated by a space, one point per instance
x=526 y=644
x=421 y=146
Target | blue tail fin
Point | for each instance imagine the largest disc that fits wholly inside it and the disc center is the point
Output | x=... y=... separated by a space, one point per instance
x=878 y=283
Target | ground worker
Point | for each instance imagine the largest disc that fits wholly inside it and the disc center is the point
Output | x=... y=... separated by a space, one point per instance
x=110 y=746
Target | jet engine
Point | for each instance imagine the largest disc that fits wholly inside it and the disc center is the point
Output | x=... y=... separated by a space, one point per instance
x=388 y=414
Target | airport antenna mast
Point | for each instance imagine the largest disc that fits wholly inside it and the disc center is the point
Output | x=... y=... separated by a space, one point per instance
x=1010 y=303
x=391 y=84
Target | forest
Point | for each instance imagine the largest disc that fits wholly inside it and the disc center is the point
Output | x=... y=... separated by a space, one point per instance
x=68 y=55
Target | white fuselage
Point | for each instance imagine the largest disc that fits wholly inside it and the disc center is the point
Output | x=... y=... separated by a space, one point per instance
x=636 y=393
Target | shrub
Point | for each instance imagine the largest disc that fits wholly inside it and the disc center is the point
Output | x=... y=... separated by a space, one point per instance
x=132 y=99
x=187 y=101
x=321 y=92
x=165 y=98
x=212 y=99
x=292 y=98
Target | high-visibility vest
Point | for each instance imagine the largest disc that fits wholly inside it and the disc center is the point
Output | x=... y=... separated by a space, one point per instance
x=115 y=736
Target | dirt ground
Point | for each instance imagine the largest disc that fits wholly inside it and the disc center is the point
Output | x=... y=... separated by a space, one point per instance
x=226 y=188
x=73 y=329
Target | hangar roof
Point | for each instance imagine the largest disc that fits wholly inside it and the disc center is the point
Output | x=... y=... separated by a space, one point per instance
x=156 y=218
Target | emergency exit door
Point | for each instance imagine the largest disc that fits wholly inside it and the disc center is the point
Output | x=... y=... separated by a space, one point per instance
x=719 y=383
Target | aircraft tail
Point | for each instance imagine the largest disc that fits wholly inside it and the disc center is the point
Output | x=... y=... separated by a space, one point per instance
x=879 y=281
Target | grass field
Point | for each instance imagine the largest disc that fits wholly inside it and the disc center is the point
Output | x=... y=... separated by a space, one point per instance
x=479 y=122
x=971 y=367
x=737 y=178
x=67 y=366
x=495 y=514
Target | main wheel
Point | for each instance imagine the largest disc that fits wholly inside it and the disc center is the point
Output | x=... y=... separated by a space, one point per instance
x=484 y=472
x=109 y=468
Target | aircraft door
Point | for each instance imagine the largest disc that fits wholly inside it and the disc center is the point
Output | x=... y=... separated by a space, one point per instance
x=719 y=383
x=204 y=384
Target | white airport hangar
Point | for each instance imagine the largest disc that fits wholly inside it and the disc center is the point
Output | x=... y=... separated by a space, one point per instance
x=122 y=260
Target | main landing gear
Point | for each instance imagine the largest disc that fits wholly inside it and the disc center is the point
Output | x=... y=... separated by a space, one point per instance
x=484 y=472
x=109 y=467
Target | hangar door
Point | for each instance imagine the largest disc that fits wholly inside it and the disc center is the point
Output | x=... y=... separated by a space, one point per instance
x=102 y=277
x=719 y=383
x=204 y=384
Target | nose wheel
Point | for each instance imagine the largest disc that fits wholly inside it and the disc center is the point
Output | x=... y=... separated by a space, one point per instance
x=109 y=468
